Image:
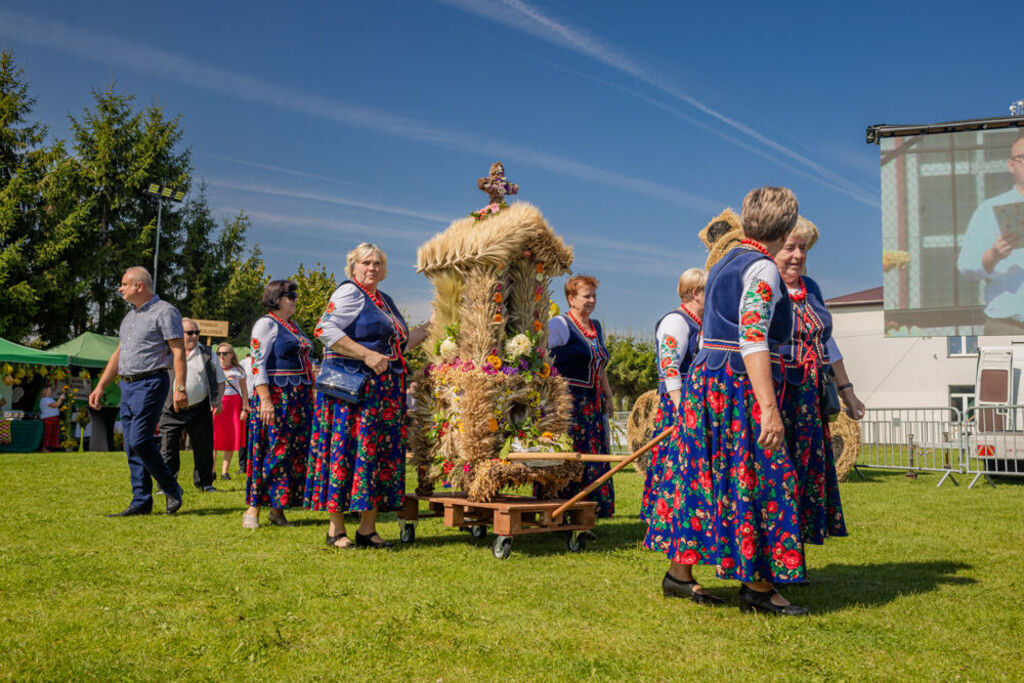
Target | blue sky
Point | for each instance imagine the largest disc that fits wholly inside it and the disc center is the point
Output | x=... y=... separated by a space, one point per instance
x=629 y=124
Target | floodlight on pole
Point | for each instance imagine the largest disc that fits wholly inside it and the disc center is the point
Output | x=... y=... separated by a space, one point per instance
x=161 y=192
x=1017 y=108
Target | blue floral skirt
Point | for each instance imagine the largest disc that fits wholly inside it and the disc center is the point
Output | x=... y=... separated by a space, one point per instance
x=590 y=435
x=357 y=451
x=724 y=500
x=276 y=464
x=663 y=419
x=809 y=442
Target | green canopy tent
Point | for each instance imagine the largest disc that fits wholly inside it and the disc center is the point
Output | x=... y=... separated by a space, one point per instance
x=25 y=435
x=88 y=350
x=91 y=350
x=16 y=353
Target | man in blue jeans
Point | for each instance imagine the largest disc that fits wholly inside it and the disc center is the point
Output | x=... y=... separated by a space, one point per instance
x=151 y=343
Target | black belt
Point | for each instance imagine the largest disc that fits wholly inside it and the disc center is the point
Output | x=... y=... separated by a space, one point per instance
x=140 y=376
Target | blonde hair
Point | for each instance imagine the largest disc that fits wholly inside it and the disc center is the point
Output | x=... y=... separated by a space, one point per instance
x=234 y=356
x=805 y=230
x=769 y=213
x=362 y=251
x=691 y=282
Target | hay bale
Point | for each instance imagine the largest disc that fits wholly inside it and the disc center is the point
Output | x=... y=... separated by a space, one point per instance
x=845 y=444
x=640 y=426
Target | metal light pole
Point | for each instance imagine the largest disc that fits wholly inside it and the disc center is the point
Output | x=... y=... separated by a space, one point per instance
x=161 y=192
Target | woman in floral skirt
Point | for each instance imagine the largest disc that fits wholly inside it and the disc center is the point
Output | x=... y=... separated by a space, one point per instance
x=809 y=352
x=576 y=344
x=728 y=494
x=279 y=418
x=357 y=450
x=675 y=336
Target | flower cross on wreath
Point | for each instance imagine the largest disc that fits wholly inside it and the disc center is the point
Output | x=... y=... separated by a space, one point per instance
x=496 y=185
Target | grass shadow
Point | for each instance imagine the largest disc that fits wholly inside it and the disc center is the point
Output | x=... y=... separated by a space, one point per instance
x=837 y=587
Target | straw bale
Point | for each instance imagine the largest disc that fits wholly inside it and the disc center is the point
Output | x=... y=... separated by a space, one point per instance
x=496 y=240
x=640 y=426
x=845 y=433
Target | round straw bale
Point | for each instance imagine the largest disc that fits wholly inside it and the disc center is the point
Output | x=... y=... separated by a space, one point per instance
x=640 y=427
x=845 y=444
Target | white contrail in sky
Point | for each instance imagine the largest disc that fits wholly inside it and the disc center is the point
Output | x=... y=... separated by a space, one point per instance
x=524 y=17
x=181 y=69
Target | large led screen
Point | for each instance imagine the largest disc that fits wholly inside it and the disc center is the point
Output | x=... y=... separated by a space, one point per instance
x=953 y=233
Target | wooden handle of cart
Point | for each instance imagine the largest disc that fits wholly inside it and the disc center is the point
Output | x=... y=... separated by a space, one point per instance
x=608 y=475
x=527 y=456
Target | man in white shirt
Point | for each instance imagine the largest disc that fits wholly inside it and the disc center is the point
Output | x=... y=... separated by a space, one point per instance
x=204 y=387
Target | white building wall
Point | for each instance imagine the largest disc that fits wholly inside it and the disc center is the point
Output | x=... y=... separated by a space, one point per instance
x=900 y=372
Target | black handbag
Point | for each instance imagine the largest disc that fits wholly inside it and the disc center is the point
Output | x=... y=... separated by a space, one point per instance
x=342 y=379
x=828 y=395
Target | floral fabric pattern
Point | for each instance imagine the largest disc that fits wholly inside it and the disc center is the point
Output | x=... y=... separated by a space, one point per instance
x=357 y=451
x=723 y=500
x=276 y=465
x=809 y=440
x=756 y=312
x=665 y=417
x=589 y=435
x=670 y=354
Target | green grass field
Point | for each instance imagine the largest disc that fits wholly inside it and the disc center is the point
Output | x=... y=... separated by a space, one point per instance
x=927 y=586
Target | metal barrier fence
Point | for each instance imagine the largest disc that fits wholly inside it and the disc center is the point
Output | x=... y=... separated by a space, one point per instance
x=913 y=439
x=985 y=441
x=994 y=442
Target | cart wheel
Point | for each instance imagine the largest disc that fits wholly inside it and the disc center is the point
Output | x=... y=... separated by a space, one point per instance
x=577 y=542
x=408 y=532
x=478 y=531
x=502 y=547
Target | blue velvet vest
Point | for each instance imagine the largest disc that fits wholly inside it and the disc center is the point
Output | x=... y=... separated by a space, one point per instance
x=288 y=360
x=799 y=349
x=689 y=352
x=721 y=329
x=373 y=329
x=578 y=360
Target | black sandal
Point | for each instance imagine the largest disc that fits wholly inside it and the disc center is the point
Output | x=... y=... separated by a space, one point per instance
x=368 y=542
x=332 y=541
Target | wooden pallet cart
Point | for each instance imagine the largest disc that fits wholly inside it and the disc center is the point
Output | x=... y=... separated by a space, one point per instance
x=510 y=516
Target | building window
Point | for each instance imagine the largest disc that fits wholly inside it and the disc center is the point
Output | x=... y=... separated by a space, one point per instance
x=962 y=346
x=961 y=398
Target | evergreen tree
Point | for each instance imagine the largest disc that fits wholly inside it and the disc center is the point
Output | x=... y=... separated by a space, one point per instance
x=632 y=368
x=119 y=152
x=39 y=232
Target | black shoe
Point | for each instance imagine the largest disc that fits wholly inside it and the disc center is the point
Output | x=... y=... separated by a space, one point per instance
x=131 y=512
x=367 y=541
x=751 y=600
x=208 y=489
x=173 y=503
x=331 y=540
x=226 y=476
x=672 y=587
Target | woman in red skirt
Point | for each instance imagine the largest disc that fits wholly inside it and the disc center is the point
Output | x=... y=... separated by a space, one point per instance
x=49 y=408
x=229 y=423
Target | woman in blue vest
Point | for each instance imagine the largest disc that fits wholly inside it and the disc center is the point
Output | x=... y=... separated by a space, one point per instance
x=675 y=337
x=728 y=497
x=576 y=346
x=810 y=351
x=357 y=450
x=279 y=418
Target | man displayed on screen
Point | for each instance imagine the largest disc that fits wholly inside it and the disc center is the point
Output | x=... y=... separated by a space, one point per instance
x=993 y=251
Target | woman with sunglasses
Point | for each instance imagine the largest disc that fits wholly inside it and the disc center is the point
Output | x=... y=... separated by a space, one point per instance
x=228 y=424
x=279 y=417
